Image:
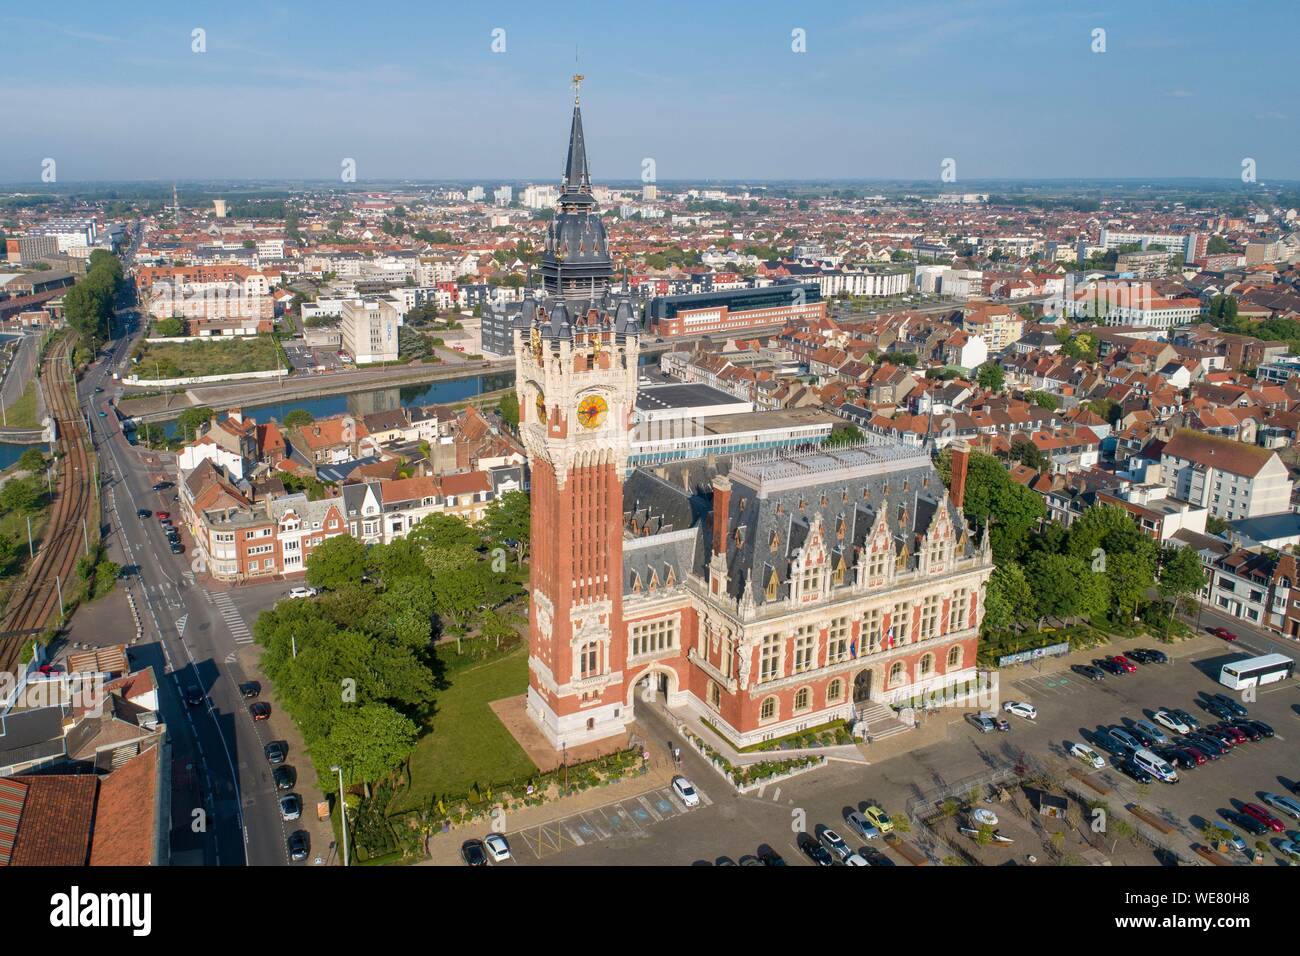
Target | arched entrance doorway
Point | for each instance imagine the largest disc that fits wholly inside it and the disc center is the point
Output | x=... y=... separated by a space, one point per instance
x=862 y=687
x=654 y=684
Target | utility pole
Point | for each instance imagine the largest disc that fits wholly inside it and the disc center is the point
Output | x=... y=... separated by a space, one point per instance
x=58 y=583
x=31 y=548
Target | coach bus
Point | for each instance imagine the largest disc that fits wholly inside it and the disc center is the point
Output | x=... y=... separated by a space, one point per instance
x=1256 y=670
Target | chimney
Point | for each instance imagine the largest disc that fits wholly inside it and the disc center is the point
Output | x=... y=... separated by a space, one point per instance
x=235 y=415
x=960 y=462
x=721 y=512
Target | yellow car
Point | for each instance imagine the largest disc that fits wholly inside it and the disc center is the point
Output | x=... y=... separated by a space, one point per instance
x=879 y=819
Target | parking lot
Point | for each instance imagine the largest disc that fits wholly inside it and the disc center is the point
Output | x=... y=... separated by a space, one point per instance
x=1070 y=708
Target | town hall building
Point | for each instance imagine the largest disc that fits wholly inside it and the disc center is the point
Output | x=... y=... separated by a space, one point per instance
x=769 y=593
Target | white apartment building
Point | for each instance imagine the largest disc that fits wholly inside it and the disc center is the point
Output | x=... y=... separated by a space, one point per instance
x=369 y=330
x=1230 y=479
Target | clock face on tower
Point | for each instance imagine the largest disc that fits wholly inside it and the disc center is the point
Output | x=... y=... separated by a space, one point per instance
x=592 y=411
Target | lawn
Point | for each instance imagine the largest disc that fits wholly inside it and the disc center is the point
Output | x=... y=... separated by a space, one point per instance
x=465 y=743
x=225 y=356
x=22 y=413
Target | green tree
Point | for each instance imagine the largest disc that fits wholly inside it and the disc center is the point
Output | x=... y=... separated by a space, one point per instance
x=22 y=495
x=1013 y=509
x=298 y=417
x=1181 y=575
x=367 y=743
x=189 y=421
x=1008 y=598
x=508 y=409
x=991 y=377
x=32 y=461
x=336 y=563
x=843 y=435
x=509 y=518
x=169 y=327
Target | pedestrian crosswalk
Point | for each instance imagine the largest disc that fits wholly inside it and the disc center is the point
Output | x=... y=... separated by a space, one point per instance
x=234 y=621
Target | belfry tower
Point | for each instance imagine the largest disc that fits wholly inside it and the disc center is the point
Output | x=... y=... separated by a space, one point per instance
x=576 y=349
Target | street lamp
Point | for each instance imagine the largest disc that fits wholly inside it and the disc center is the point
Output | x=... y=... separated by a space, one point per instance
x=343 y=812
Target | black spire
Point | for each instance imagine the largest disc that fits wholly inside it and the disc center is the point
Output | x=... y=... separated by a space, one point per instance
x=577 y=178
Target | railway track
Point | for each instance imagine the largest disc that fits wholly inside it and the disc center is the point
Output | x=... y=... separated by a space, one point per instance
x=37 y=605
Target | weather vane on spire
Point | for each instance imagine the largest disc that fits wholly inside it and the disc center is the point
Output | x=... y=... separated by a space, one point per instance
x=577 y=82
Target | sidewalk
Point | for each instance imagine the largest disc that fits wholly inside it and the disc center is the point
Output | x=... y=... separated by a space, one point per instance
x=444 y=847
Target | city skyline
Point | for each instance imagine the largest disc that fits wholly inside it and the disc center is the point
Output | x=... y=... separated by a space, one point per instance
x=886 y=94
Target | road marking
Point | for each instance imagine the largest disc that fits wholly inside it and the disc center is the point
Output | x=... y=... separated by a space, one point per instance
x=180 y=625
x=234 y=621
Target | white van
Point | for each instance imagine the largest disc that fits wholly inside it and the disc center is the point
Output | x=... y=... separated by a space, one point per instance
x=1155 y=766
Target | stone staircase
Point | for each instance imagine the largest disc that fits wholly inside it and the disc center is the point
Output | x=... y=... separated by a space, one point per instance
x=881 y=720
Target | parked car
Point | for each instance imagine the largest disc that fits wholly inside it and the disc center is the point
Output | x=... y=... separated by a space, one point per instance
x=879 y=819
x=276 y=751
x=1264 y=729
x=1288 y=805
x=1217 y=709
x=1170 y=721
x=302 y=592
x=1223 y=634
x=771 y=858
x=164 y=516
x=290 y=806
x=1124 y=737
x=1088 y=755
x=1290 y=849
x=684 y=789
x=284 y=777
x=860 y=825
x=1020 y=709
x=1185 y=717
x=817 y=853
x=1255 y=811
x=1246 y=728
x=1248 y=823
x=473 y=853
x=1123 y=663
x=144 y=513
x=1231 y=703
x=176 y=547
x=1151 y=730
x=1233 y=733
x=250 y=689
x=981 y=723
x=1211 y=747
x=1110 y=667
x=856 y=859
x=1195 y=749
x=194 y=696
x=260 y=710
x=497 y=847
x=1131 y=768
x=1089 y=672
x=1145 y=655
x=162 y=485
x=834 y=843
x=299 y=845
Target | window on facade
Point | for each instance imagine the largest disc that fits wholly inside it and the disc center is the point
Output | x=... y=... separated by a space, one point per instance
x=715 y=695
x=770 y=664
x=896 y=674
x=927 y=665
x=767 y=710
x=589 y=659
x=930 y=617
x=937 y=549
x=654 y=636
x=802 y=700
x=835 y=691
x=954 y=657
x=878 y=564
x=771 y=587
x=959 y=609
x=805 y=640
x=900 y=622
x=811 y=581
x=841 y=569
x=837 y=636
x=871 y=620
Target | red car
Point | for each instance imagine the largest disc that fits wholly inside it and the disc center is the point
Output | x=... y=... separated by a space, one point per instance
x=1224 y=634
x=163 y=515
x=1119 y=660
x=1263 y=816
x=1236 y=733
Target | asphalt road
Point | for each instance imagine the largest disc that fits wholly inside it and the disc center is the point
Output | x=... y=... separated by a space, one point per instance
x=225 y=809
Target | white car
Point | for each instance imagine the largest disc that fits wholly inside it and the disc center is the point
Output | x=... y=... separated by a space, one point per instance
x=688 y=794
x=1020 y=709
x=498 y=850
x=856 y=859
x=302 y=592
x=1088 y=755
x=1167 y=720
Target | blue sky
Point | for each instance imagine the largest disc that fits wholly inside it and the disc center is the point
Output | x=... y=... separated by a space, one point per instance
x=1006 y=88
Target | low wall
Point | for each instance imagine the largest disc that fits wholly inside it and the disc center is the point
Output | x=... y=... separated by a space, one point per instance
x=138 y=382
